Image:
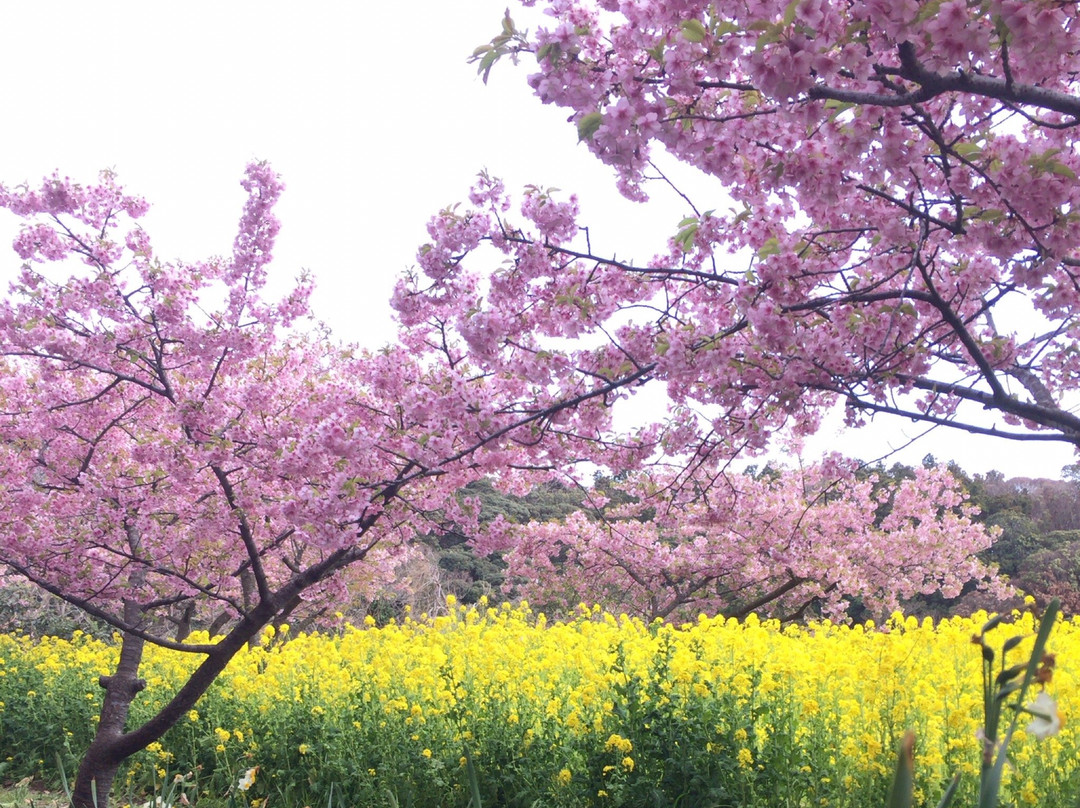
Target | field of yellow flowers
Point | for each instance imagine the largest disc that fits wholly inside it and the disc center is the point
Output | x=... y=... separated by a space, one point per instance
x=599 y=710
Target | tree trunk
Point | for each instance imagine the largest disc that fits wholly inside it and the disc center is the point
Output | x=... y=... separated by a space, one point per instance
x=111 y=745
x=102 y=759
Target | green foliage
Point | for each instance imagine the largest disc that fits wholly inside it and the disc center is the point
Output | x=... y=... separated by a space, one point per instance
x=28 y=609
x=1004 y=701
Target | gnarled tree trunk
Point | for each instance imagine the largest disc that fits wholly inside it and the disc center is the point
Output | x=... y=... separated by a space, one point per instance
x=97 y=770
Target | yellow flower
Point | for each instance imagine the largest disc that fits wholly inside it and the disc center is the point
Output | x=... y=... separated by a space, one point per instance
x=193 y=715
x=426 y=753
x=304 y=748
x=745 y=758
x=564 y=777
x=628 y=763
x=1028 y=793
x=616 y=741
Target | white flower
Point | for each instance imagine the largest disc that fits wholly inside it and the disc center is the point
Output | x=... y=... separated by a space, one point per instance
x=248 y=780
x=1046 y=720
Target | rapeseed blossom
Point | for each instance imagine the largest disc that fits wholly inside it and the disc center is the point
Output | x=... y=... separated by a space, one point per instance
x=597 y=703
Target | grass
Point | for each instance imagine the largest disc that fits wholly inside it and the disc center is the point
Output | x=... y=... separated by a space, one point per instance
x=30 y=794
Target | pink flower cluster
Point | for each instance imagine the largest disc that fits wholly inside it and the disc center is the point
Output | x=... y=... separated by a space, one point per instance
x=775 y=544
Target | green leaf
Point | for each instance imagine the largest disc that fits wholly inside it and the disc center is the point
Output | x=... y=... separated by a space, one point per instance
x=950 y=792
x=588 y=125
x=990 y=782
x=771 y=35
x=663 y=344
x=992 y=215
x=931 y=9
x=474 y=781
x=1062 y=170
x=489 y=59
x=789 y=13
x=693 y=30
x=770 y=247
x=968 y=151
x=688 y=230
x=901 y=795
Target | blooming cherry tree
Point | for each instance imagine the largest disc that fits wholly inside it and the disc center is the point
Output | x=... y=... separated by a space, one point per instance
x=776 y=544
x=176 y=445
x=897 y=233
x=902 y=239
x=901 y=234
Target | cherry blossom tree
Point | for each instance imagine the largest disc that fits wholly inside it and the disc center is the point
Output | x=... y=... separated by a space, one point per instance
x=896 y=230
x=902 y=239
x=777 y=544
x=177 y=446
x=896 y=233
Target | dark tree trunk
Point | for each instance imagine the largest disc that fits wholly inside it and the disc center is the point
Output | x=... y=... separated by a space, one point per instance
x=101 y=761
x=112 y=745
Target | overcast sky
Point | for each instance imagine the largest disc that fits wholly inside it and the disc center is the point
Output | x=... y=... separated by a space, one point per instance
x=372 y=116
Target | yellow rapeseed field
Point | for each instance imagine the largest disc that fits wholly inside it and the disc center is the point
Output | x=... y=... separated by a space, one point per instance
x=599 y=710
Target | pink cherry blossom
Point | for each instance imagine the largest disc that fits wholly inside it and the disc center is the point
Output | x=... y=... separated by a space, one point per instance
x=180 y=451
x=776 y=544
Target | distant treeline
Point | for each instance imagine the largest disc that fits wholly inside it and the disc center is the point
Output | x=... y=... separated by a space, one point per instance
x=1038 y=551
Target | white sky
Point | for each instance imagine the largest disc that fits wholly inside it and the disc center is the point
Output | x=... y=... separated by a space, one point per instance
x=372 y=116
